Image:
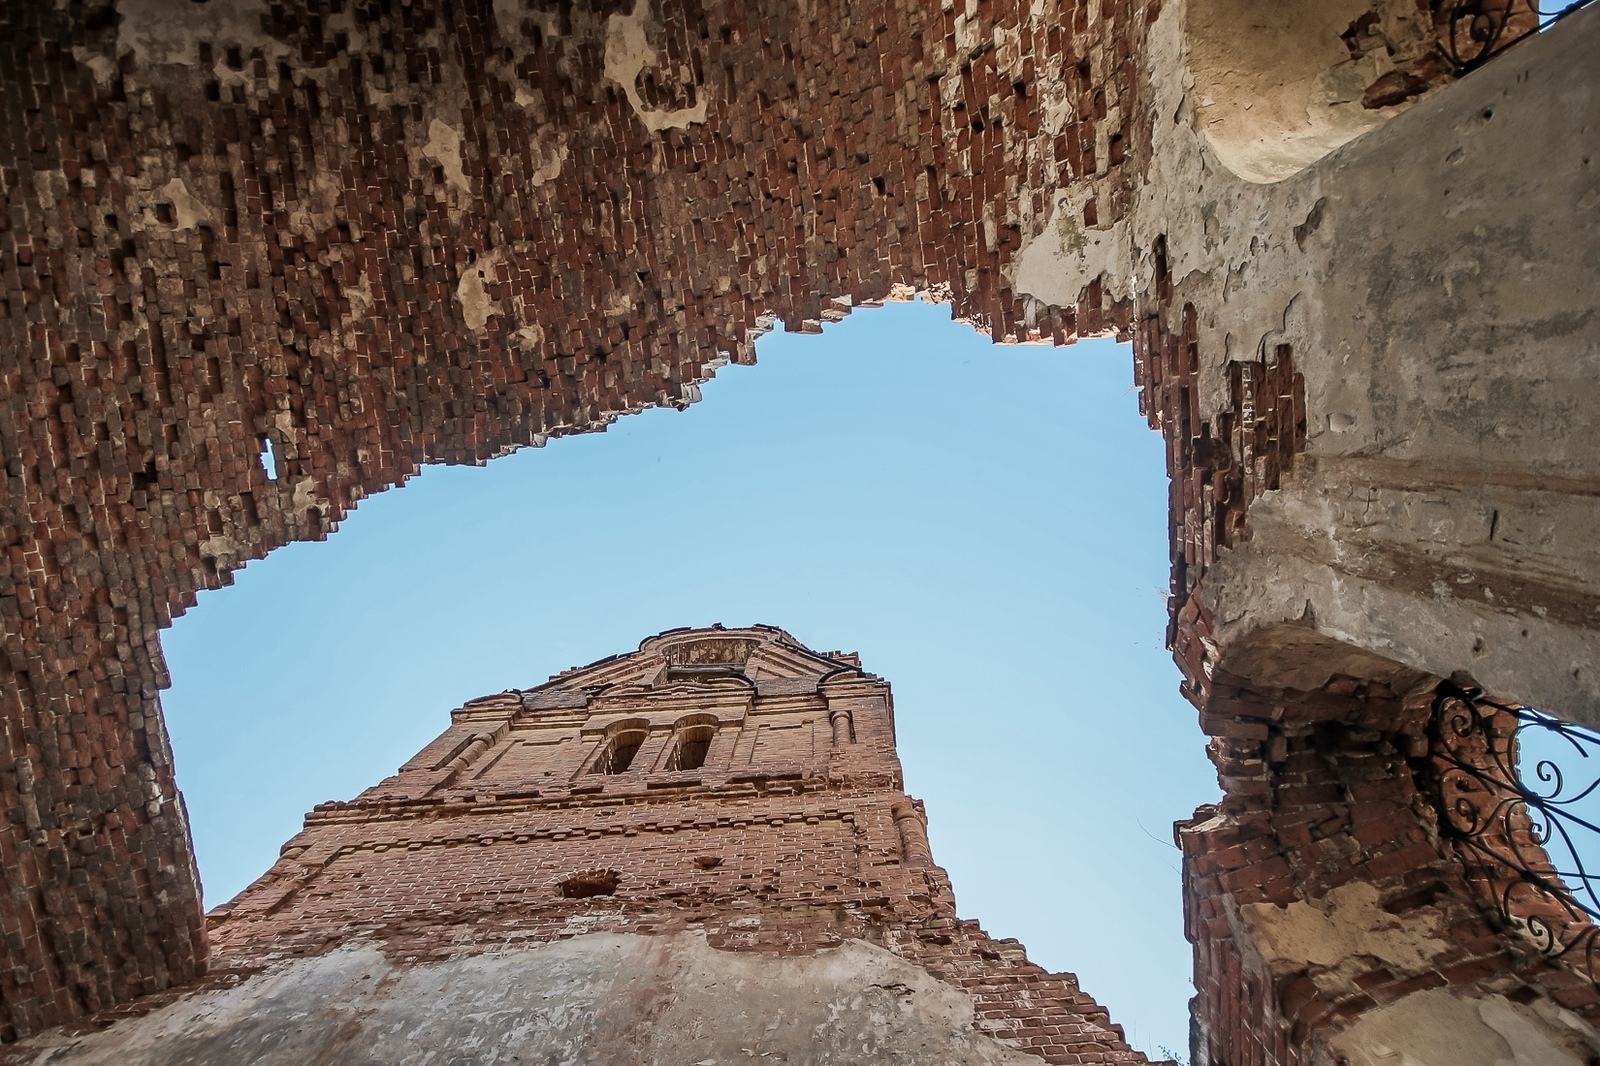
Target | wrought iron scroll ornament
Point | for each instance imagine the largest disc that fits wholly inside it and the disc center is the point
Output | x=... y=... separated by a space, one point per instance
x=1476 y=30
x=1521 y=833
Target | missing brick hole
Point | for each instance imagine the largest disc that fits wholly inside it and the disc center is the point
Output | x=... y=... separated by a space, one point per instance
x=269 y=459
x=593 y=883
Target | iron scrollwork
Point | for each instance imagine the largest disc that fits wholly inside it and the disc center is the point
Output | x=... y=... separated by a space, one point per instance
x=1519 y=829
x=1474 y=31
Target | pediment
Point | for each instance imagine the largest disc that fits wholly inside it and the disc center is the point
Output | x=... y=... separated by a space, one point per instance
x=763 y=656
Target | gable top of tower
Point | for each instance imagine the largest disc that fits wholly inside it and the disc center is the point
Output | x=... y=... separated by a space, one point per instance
x=764 y=658
x=756 y=702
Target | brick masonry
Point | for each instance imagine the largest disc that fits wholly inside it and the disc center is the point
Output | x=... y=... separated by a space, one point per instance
x=1329 y=815
x=372 y=235
x=793 y=836
x=379 y=235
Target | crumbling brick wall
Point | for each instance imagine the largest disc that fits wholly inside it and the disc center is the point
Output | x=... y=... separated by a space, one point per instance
x=1330 y=826
x=375 y=236
x=781 y=849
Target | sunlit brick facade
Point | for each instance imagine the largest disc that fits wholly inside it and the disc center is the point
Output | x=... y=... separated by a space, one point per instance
x=727 y=782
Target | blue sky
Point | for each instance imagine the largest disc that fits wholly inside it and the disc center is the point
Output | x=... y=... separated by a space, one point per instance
x=984 y=524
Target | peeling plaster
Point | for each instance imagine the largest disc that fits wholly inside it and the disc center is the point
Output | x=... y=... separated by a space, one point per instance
x=305 y=498
x=1230 y=248
x=104 y=68
x=1435 y=1028
x=473 y=291
x=186 y=210
x=1056 y=266
x=552 y=157
x=1338 y=936
x=628 y=52
x=444 y=148
x=596 y=997
x=1426 y=316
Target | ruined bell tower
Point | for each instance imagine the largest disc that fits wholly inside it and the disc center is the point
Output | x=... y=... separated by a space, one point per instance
x=697 y=852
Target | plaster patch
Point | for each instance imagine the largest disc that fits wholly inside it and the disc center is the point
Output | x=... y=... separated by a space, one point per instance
x=162 y=32
x=1056 y=266
x=444 y=148
x=104 y=68
x=1339 y=932
x=305 y=498
x=187 y=212
x=360 y=297
x=473 y=291
x=628 y=52
x=220 y=546
x=529 y=338
x=551 y=156
x=1435 y=1028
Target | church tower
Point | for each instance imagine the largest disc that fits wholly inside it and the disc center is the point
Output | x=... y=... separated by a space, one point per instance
x=697 y=852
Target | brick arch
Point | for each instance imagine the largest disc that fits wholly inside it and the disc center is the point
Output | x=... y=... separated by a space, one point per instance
x=388 y=236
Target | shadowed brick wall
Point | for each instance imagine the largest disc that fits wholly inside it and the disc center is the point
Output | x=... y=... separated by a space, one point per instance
x=376 y=235
x=1325 y=857
x=793 y=837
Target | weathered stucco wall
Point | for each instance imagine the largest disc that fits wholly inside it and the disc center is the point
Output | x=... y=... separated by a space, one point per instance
x=1376 y=375
x=599 y=998
x=1443 y=318
x=1429 y=290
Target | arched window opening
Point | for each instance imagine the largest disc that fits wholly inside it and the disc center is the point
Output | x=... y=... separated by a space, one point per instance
x=621 y=746
x=691 y=740
x=588 y=884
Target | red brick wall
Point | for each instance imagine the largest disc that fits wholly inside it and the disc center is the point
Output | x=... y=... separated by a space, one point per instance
x=258 y=244
x=785 y=849
x=1327 y=789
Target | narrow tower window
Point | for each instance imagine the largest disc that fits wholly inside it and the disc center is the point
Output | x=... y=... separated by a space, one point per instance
x=620 y=749
x=691 y=739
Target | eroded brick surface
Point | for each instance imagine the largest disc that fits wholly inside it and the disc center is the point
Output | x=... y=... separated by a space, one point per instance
x=1326 y=857
x=792 y=837
x=377 y=235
